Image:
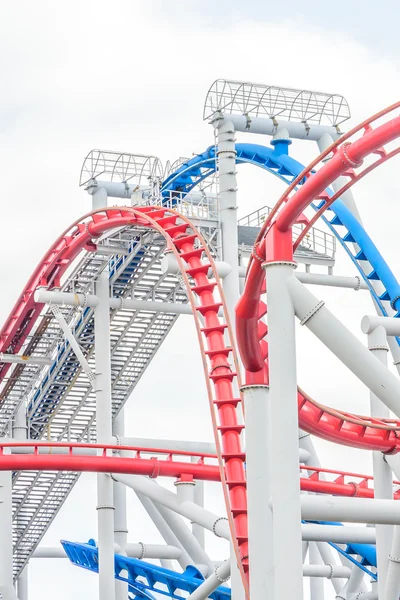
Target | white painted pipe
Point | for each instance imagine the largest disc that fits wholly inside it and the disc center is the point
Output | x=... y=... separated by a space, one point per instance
x=317 y=583
x=337 y=534
x=328 y=558
x=354 y=283
x=120 y=512
x=283 y=449
x=6 y=540
x=169 y=537
x=353 y=510
x=392 y=587
x=22 y=359
x=258 y=472
x=43 y=296
x=227 y=205
x=267 y=126
x=134 y=550
x=186 y=538
x=389 y=324
x=105 y=497
x=218 y=525
x=383 y=485
x=345 y=345
x=220 y=575
x=114 y=189
x=327 y=571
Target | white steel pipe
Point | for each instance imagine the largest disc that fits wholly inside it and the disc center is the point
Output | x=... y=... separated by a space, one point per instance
x=134 y=550
x=283 y=449
x=6 y=539
x=352 y=510
x=354 y=283
x=316 y=570
x=389 y=324
x=311 y=532
x=227 y=202
x=186 y=538
x=268 y=126
x=198 y=498
x=169 y=537
x=74 y=344
x=392 y=587
x=22 y=584
x=68 y=299
x=215 y=523
x=23 y=359
x=345 y=345
x=120 y=513
x=105 y=496
x=329 y=559
x=205 y=589
x=383 y=486
x=258 y=471
x=327 y=571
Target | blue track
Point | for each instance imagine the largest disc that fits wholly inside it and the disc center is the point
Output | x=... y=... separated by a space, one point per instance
x=144 y=579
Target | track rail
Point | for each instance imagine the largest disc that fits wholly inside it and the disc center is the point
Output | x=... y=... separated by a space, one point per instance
x=51 y=456
x=274 y=242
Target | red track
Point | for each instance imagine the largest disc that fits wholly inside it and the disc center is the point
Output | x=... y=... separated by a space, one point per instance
x=143 y=462
x=206 y=298
x=274 y=243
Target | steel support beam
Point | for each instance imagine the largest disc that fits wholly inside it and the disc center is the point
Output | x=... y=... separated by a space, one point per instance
x=343 y=344
x=283 y=449
x=105 y=497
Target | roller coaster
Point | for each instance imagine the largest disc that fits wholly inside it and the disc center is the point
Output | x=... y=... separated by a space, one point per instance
x=97 y=309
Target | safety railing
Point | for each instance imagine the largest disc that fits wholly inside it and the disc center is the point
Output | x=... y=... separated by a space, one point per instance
x=316 y=240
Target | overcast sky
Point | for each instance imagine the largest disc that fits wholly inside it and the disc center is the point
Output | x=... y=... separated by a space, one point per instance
x=132 y=75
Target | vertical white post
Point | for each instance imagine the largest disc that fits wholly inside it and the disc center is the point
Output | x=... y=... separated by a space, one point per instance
x=105 y=497
x=383 y=487
x=6 y=540
x=284 y=449
x=99 y=199
x=316 y=583
x=20 y=432
x=227 y=187
x=120 y=517
x=198 y=498
x=258 y=442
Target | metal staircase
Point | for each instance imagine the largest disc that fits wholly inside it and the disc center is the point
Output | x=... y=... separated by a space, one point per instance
x=61 y=402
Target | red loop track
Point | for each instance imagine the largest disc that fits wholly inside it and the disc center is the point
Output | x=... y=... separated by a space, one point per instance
x=274 y=243
x=207 y=300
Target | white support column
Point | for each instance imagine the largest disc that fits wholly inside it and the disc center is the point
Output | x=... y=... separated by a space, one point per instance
x=328 y=558
x=198 y=498
x=105 y=495
x=6 y=539
x=383 y=487
x=284 y=449
x=392 y=587
x=20 y=432
x=227 y=186
x=258 y=472
x=99 y=198
x=316 y=583
x=120 y=516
